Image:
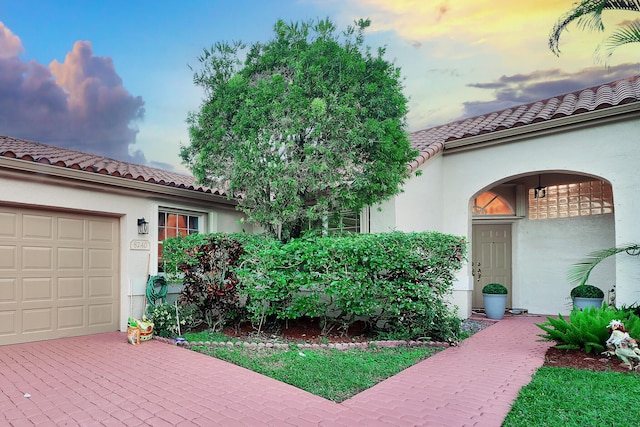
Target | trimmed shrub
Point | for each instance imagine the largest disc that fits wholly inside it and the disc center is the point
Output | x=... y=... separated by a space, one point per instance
x=586 y=291
x=494 y=289
x=396 y=282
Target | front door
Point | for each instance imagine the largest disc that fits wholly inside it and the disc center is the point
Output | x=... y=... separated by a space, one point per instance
x=491 y=259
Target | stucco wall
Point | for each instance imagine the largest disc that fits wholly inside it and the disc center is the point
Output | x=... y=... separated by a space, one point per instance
x=543 y=251
x=382 y=217
x=411 y=210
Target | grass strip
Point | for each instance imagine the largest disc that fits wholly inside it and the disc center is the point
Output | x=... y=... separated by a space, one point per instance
x=572 y=397
x=333 y=374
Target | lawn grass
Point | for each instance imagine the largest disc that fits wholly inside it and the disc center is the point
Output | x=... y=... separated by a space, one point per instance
x=330 y=373
x=572 y=397
x=208 y=336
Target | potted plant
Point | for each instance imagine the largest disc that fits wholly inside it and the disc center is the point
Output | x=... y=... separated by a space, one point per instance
x=584 y=296
x=579 y=272
x=494 y=296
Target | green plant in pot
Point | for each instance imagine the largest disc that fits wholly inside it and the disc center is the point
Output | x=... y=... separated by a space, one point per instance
x=587 y=296
x=579 y=272
x=494 y=296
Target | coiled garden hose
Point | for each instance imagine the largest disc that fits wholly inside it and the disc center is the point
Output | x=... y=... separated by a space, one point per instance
x=156 y=289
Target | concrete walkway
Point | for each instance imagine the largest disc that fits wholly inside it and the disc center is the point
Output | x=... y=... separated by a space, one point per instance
x=100 y=380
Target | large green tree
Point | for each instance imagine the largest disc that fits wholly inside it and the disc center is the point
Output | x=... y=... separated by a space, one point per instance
x=588 y=14
x=306 y=124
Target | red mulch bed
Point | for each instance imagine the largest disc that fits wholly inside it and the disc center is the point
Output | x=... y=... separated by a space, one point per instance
x=308 y=330
x=301 y=330
x=580 y=360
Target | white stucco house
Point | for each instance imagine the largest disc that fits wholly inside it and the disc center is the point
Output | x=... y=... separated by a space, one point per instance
x=79 y=233
x=479 y=178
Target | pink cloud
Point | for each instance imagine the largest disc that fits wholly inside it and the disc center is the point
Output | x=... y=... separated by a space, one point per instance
x=80 y=103
x=10 y=44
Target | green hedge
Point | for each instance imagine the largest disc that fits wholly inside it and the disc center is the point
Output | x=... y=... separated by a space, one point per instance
x=398 y=283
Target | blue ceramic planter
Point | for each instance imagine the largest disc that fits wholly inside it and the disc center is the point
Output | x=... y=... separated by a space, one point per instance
x=495 y=305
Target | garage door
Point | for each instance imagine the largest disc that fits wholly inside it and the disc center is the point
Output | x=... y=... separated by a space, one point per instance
x=58 y=275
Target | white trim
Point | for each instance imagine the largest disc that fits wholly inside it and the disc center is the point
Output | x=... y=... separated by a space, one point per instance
x=496 y=220
x=365 y=220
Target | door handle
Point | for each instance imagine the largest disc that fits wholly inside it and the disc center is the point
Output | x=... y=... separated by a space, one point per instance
x=474 y=272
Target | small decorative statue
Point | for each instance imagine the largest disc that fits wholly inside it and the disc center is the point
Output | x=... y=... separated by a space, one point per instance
x=622 y=345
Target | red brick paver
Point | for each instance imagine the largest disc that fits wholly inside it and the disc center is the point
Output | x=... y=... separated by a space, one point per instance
x=470 y=385
x=100 y=380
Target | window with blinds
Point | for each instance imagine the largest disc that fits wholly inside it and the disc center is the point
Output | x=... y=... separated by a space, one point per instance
x=173 y=224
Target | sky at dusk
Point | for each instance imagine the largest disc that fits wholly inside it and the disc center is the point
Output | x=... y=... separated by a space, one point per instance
x=113 y=77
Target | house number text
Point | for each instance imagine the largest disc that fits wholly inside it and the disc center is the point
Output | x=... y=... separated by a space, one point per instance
x=140 y=245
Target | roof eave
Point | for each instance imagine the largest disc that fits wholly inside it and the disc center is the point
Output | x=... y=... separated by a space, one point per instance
x=37 y=171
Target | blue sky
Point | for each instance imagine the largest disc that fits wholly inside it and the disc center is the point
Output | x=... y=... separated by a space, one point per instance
x=112 y=77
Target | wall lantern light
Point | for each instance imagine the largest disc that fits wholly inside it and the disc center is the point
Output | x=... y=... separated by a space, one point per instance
x=143 y=226
x=539 y=192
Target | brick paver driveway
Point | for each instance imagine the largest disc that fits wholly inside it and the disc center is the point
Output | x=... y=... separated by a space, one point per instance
x=101 y=380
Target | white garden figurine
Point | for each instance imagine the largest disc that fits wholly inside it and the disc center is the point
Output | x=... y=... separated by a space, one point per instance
x=622 y=345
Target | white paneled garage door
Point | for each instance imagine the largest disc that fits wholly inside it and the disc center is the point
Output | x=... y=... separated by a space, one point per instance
x=58 y=274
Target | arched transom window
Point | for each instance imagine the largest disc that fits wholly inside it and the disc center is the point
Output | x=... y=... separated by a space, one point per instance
x=489 y=203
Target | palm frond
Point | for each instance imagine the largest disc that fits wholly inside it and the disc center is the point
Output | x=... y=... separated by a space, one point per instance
x=588 y=15
x=579 y=272
x=592 y=21
x=629 y=33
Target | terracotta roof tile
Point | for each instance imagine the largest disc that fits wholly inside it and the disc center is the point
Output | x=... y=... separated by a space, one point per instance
x=548 y=108
x=586 y=100
x=71 y=159
x=433 y=140
x=529 y=114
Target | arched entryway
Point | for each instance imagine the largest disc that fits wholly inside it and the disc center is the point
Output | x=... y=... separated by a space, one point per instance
x=527 y=230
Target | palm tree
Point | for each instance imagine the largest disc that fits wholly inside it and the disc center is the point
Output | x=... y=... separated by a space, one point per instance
x=588 y=14
x=579 y=272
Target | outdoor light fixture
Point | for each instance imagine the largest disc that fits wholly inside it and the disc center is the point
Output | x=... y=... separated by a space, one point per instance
x=143 y=226
x=539 y=192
